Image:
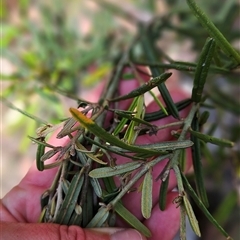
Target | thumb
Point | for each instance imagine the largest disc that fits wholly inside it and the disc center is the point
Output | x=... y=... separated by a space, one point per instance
x=50 y=231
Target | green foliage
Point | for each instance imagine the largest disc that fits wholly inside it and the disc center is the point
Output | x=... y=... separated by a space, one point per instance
x=54 y=61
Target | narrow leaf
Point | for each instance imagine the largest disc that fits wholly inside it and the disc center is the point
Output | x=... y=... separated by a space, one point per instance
x=202 y=69
x=102 y=134
x=131 y=134
x=80 y=147
x=191 y=216
x=96 y=187
x=70 y=199
x=113 y=171
x=107 y=148
x=39 y=154
x=182 y=222
x=182 y=160
x=163 y=194
x=197 y=164
x=99 y=219
x=213 y=31
x=163 y=146
x=38 y=140
x=131 y=219
x=146 y=202
x=88 y=207
x=50 y=154
x=150 y=54
x=153 y=116
x=181 y=66
x=65 y=185
x=124 y=120
x=145 y=87
x=158 y=102
x=211 y=139
x=10 y=105
x=199 y=203
x=131 y=116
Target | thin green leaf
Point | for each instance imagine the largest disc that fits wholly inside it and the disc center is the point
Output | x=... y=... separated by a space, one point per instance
x=107 y=148
x=131 y=116
x=149 y=51
x=52 y=206
x=124 y=120
x=43 y=131
x=113 y=171
x=182 y=222
x=76 y=218
x=131 y=219
x=80 y=147
x=88 y=207
x=191 y=216
x=69 y=123
x=153 y=116
x=163 y=146
x=199 y=203
x=131 y=134
x=96 y=187
x=39 y=154
x=102 y=134
x=38 y=140
x=65 y=185
x=146 y=200
x=181 y=66
x=156 y=99
x=144 y=88
x=182 y=160
x=172 y=109
x=163 y=194
x=213 y=31
x=10 y=105
x=70 y=199
x=197 y=164
x=50 y=154
x=202 y=69
x=99 y=219
x=52 y=165
x=211 y=139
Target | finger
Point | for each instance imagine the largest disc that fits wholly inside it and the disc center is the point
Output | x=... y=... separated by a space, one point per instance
x=49 y=231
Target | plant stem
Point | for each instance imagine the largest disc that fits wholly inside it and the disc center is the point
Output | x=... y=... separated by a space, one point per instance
x=187 y=125
x=136 y=177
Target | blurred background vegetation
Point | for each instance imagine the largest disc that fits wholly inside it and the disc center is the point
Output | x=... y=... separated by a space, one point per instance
x=52 y=51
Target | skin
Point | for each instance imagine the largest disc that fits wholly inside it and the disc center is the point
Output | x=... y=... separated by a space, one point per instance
x=20 y=208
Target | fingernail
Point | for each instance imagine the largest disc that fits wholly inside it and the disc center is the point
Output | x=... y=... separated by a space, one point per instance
x=127 y=234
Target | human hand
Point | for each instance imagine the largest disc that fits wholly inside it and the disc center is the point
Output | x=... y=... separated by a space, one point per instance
x=20 y=208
